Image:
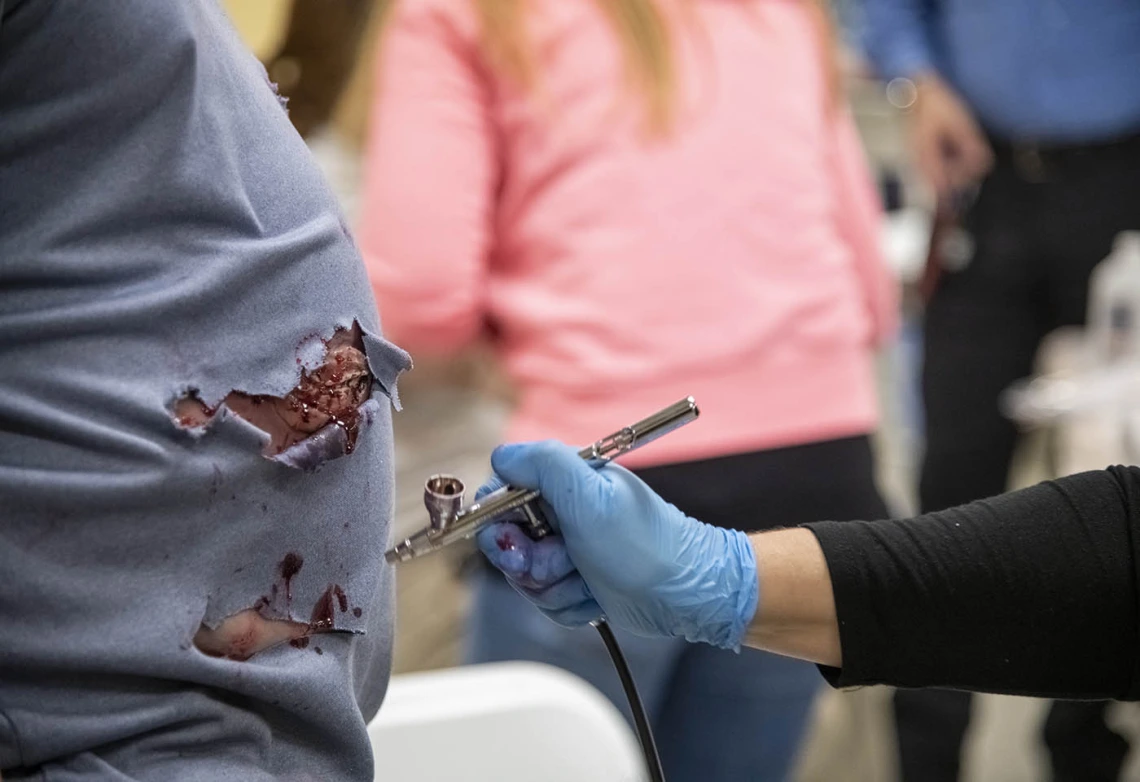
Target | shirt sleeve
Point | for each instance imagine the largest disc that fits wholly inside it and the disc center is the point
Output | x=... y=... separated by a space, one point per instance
x=896 y=36
x=430 y=174
x=859 y=222
x=1030 y=593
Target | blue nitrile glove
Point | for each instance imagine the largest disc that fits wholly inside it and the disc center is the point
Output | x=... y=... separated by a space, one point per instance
x=621 y=552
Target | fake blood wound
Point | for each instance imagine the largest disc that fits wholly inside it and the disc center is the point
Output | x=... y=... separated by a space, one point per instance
x=332 y=393
x=327 y=394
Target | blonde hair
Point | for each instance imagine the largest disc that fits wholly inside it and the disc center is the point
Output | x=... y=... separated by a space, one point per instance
x=643 y=34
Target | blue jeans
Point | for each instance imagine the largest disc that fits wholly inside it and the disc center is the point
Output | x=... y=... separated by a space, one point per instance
x=717 y=716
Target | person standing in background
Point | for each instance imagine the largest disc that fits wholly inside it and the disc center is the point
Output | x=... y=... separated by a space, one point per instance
x=1030 y=109
x=636 y=201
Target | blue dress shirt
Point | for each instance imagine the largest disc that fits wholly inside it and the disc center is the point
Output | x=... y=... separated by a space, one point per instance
x=1064 y=71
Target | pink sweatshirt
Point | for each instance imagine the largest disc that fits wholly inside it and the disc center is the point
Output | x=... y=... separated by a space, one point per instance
x=736 y=260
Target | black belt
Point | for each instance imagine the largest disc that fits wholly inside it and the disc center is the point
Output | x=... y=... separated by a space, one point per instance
x=1046 y=161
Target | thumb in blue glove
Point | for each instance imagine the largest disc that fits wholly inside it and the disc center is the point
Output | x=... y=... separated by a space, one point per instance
x=540 y=570
x=621 y=551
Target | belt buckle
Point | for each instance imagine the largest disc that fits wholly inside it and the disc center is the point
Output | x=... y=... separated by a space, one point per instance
x=1030 y=164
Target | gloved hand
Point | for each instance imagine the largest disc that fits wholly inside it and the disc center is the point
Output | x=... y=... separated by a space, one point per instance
x=621 y=551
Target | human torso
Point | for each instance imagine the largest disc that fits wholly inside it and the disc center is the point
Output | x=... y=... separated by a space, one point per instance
x=164 y=233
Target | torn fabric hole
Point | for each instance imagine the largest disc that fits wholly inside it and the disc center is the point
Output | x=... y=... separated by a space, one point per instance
x=321 y=417
x=242 y=635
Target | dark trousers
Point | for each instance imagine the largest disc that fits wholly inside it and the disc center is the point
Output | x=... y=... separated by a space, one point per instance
x=780 y=487
x=1040 y=223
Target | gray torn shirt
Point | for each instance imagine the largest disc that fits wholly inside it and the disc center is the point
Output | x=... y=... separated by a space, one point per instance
x=163 y=228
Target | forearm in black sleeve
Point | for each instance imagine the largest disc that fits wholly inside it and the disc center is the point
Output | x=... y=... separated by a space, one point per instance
x=1032 y=593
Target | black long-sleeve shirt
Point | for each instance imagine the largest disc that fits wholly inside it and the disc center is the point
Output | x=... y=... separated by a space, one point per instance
x=1030 y=593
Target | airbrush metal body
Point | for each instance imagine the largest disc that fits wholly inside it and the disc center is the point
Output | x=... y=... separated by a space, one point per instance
x=451 y=521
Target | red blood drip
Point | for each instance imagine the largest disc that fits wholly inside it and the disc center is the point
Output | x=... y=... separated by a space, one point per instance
x=317 y=649
x=289 y=567
x=350 y=437
x=341 y=598
x=300 y=643
x=357 y=612
x=323 y=612
x=505 y=543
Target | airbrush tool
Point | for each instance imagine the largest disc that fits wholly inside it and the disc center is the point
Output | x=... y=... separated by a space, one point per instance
x=450 y=521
